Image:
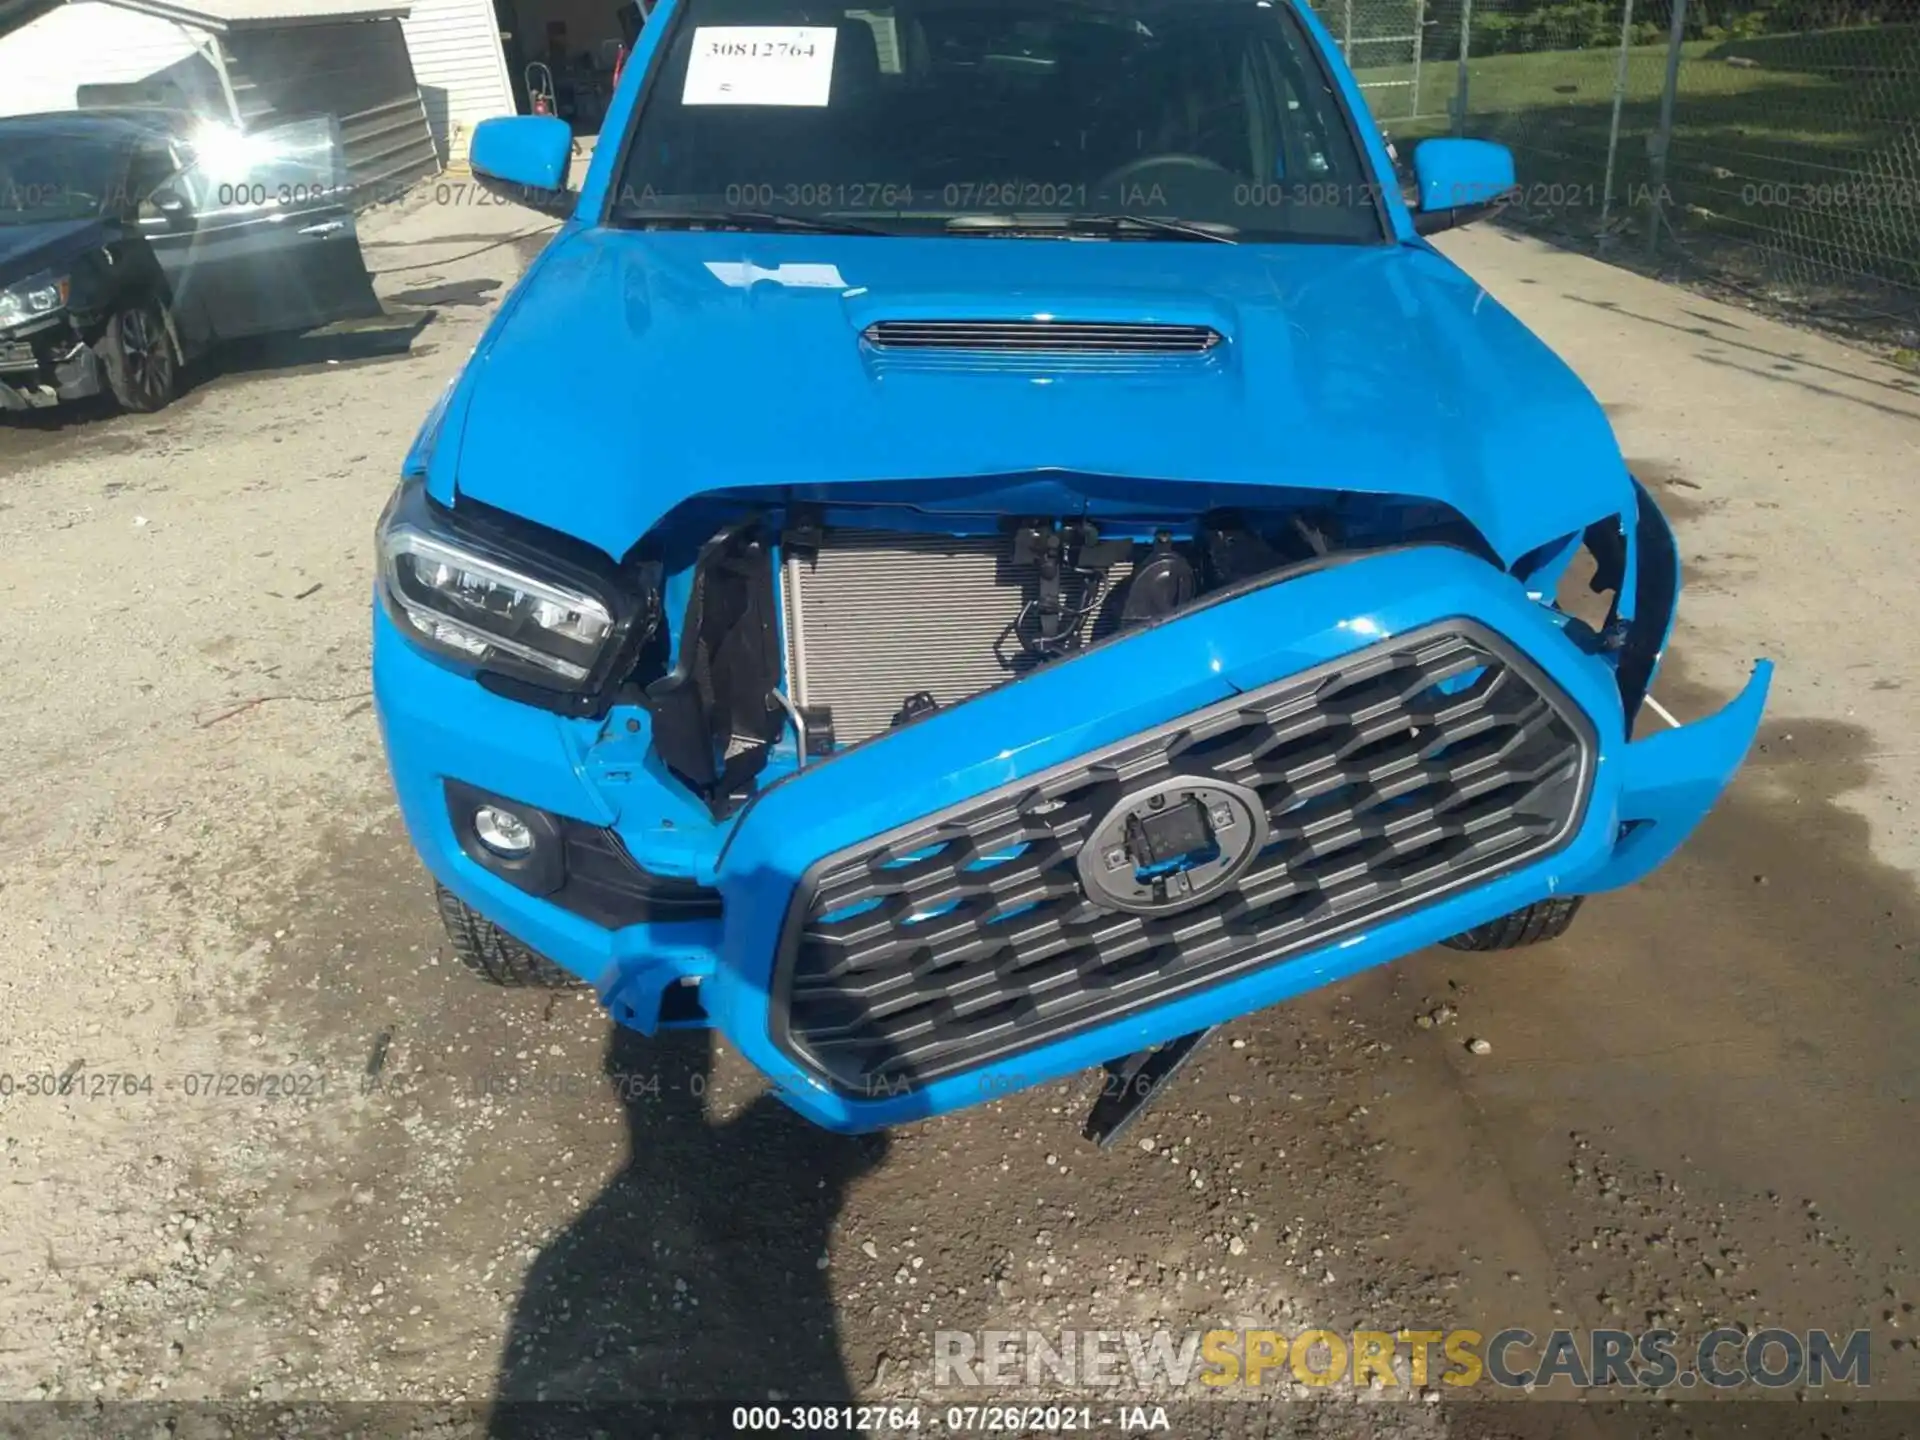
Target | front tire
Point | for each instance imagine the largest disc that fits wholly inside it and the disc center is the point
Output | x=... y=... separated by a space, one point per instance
x=136 y=352
x=1530 y=925
x=492 y=954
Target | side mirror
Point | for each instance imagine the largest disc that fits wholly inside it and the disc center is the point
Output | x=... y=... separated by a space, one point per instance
x=1460 y=180
x=525 y=159
x=173 y=208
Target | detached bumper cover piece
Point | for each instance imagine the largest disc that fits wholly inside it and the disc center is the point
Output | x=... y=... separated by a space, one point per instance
x=41 y=372
x=1305 y=808
x=1584 y=810
x=1319 y=705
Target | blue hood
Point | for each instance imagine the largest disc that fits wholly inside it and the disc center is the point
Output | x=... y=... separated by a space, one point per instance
x=28 y=249
x=633 y=370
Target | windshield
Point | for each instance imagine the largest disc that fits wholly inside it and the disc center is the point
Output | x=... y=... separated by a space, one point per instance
x=1104 y=118
x=50 y=173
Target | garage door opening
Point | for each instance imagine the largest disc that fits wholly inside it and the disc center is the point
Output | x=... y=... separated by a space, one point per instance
x=563 y=55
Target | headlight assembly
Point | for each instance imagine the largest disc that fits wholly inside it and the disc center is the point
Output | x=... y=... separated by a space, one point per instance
x=33 y=298
x=509 y=598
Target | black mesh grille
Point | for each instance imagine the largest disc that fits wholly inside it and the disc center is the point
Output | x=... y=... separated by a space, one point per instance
x=1425 y=763
x=1072 y=337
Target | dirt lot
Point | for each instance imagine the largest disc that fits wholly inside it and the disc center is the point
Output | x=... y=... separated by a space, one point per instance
x=1696 y=1109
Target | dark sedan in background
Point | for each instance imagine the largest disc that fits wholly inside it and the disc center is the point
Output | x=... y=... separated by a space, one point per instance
x=133 y=240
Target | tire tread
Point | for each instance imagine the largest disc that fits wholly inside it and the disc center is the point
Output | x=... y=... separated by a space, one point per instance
x=1530 y=925
x=492 y=954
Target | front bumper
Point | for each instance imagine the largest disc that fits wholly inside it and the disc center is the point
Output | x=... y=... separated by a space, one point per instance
x=46 y=367
x=1641 y=800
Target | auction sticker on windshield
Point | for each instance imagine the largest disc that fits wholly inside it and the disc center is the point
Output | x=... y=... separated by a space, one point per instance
x=760 y=65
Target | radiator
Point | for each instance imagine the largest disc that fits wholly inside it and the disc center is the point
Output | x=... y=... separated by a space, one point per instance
x=874 y=617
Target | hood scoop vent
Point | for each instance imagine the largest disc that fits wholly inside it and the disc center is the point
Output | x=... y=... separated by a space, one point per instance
x=1042 y=337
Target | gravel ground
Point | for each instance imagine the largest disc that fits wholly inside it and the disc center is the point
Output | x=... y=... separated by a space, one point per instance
x=1687 y=1112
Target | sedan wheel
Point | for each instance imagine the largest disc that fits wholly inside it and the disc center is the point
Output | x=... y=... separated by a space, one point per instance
x=137 y=353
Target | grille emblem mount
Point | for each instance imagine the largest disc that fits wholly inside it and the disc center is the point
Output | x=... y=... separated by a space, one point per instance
x=1172 y=845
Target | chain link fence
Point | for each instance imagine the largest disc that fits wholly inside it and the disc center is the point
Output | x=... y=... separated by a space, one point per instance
x=1384 y=42
x=1770 y=145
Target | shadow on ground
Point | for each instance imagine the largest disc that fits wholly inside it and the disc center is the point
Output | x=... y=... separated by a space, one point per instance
x=356 y=342
x=56 y=418
x=453 y=292
x=698 y=1274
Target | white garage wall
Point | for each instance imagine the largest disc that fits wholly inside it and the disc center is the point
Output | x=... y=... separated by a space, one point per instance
x=84 y=43
x=455 y=46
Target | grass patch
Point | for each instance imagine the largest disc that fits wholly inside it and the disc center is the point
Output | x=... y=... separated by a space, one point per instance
x=1811 y=153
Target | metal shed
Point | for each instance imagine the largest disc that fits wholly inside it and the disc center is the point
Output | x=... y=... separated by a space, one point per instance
x=253 y=62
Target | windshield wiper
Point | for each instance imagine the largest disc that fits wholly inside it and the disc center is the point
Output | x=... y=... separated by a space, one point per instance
x=1109 y=224
x=747 y=220
x=1160 y=224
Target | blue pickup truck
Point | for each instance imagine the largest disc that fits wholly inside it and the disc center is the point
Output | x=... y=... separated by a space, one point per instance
x=989 y=544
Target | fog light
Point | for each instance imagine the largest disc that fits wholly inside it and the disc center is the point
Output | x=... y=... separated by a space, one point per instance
x=502 y=832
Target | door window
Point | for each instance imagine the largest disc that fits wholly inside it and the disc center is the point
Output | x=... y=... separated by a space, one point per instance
x=153 y=165
x=235 y=176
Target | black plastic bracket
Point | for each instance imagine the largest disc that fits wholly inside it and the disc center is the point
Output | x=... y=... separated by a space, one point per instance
x=1040 y=546
x=805 y=532
x=1656 y=592
x=1133 y=1082
x=818 y=720
x=1089 y=552
x=712 y=721
x=920 y=703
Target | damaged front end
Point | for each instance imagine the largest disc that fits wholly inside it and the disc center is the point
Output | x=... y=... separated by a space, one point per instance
x=920 y=802
x=807 y=628
x=46 y=363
